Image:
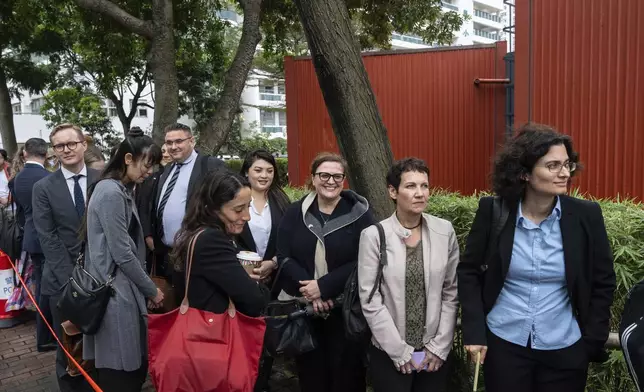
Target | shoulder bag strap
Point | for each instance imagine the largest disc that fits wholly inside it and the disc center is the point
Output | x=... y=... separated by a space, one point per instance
x=183 y=309
x=500 y=214
x=382 y=261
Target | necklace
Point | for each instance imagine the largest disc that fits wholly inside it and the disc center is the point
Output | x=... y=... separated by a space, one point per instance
x=412 y=228
x=324 y=221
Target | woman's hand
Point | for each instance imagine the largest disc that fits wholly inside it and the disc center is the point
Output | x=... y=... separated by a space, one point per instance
x=407 y=368
x=310 y=289
x=264 y=270
x=158 y=299
x=473 y=350
x=431 y=363
x=321 y=307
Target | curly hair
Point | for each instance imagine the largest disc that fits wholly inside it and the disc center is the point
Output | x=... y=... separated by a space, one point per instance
x=519 y=156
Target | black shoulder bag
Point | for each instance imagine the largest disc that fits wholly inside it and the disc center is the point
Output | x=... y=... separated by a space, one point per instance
x=355 y=325
x=84 y=298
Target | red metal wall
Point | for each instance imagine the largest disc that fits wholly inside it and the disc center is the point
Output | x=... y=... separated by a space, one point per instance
x=580 y=68
x=428 y=102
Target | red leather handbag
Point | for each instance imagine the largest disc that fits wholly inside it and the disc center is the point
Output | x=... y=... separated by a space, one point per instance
x=194 y=350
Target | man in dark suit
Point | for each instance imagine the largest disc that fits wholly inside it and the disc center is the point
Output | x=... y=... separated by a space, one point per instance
x=58 y=208
x=35 y=154
x=173 y=190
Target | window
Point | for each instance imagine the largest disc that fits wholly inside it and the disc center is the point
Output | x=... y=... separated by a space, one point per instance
x=143 y=110
x=282 y=117
x=267 y=89
x=280 y=88
x=36 y=104
x=267 y=117
x=17 y=108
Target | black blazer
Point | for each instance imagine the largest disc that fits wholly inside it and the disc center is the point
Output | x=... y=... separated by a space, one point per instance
x=22 y=190
x=217 y=276
x=588 y=263
x=246 y=241
x=57 y=224
x=203 y=164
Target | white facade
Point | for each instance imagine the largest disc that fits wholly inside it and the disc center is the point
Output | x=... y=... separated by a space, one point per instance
x=264 y=105
x=487 y=18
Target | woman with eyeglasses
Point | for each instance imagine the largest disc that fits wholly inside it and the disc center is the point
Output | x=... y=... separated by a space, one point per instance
x=536 y=280
x=317 y=249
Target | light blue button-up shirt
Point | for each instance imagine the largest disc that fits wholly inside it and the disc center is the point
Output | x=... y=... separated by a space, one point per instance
x=534 y=302
x=175 y=209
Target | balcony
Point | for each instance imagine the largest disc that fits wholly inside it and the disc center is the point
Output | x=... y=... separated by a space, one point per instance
x=488 y=16
x=492 y=4
x=450 y=6
x=272 y=129
x=272 y=97
x=486 y=34
x=408 y=38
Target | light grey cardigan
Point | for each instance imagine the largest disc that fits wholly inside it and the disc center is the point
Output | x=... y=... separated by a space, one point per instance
x=121 y=341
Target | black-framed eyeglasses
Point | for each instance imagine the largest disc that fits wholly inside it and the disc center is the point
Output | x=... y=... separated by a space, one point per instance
x=556 y=167
x=170 y=143
x=70 y=145
x=337 y=177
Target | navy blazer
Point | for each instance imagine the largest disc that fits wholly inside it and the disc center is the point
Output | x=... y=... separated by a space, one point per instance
x=22 y=190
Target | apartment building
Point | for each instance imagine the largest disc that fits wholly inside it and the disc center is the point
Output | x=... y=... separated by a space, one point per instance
x=485 y=24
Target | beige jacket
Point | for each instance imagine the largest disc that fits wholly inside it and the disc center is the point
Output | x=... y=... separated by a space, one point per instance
x=387 y=318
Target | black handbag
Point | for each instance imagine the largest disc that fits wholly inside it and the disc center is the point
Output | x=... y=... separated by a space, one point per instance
x=355 y=325
x=84 y=299
x=284 y=334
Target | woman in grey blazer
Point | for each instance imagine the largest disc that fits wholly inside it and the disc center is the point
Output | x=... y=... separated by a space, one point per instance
x=116 y=246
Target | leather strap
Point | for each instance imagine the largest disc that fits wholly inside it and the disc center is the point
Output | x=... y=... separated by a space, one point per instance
x=185 y=304
x=183 y=309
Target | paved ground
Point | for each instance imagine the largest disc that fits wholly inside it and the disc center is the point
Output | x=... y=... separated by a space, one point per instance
x=23 y=368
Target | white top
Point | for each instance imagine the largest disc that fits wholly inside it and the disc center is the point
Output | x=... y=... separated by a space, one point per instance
x=4 y=184
x=260 y=227
x=175 y=209
x=69 y=177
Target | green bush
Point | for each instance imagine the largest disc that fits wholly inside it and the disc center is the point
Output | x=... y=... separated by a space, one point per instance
x=625 y=226
x=282 y=168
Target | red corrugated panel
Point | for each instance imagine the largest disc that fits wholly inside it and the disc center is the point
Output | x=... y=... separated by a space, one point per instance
x=580 y=68
x=429 y=104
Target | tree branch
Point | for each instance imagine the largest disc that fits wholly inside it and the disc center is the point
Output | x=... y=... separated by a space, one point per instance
x=216 y=131
x=119 y=15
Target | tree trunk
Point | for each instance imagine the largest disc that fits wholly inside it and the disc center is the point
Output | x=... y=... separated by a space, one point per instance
x=160 y=33
x=358 y=127
x=163 y=69
x=7 y=129
x=215 y=133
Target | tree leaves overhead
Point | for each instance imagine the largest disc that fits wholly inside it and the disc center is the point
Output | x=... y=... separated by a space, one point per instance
x=373 y=22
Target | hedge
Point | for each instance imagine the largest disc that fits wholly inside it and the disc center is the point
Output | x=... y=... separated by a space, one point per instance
x=625 y=226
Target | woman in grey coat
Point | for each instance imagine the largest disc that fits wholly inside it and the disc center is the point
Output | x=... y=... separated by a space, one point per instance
x=116 y=247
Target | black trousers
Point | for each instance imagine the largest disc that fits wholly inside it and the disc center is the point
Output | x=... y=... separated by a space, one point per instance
x=43 y=335
x=66 y=383
x=386 y=378
x=111 y=380
x=336 y=365
x=509 y=368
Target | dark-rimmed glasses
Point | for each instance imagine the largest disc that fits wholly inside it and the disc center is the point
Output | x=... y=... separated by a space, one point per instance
x=70 y=145
x=324 y=177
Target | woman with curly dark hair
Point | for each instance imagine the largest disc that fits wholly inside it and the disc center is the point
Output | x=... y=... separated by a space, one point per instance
x=536 y=279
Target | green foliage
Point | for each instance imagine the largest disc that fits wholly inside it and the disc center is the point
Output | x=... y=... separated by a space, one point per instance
x=373 y=20
x=72 y=105
x=624 y=221
x=282 y=168
x=26 y=34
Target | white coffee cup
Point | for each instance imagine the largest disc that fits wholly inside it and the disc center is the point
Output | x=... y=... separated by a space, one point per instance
x=249 y=260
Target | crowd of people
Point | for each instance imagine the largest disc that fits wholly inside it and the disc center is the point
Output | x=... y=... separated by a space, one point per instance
x=535 y=282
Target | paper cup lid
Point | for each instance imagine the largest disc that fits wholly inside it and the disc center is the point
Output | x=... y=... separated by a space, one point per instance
x=248 y=256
